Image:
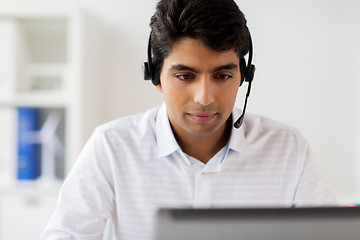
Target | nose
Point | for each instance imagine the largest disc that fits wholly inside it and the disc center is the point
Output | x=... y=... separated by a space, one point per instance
x=204 y=91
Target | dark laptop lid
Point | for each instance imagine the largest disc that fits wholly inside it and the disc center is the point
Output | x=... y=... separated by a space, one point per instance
x=259 y=224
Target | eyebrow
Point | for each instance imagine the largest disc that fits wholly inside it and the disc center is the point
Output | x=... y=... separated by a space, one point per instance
x=230 y=66
x=181 y=67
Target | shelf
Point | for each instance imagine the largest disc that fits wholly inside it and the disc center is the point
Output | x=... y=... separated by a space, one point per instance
x=30 y=188
x=45 y=77
x=37 y=99
x=36 y=60
x=44 y=65
x=49 y=11
x=35 y=76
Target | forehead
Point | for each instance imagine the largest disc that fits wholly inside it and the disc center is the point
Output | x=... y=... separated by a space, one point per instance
x=192 y=52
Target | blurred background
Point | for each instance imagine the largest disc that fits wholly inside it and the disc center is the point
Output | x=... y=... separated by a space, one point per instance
x=78 y=64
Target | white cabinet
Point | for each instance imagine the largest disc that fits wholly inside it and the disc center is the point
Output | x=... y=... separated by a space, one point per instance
x=25 y=212
x=44 y=65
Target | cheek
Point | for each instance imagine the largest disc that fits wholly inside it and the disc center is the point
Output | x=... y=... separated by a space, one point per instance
x=173 y=96
x=229 y=95
x=232 y=96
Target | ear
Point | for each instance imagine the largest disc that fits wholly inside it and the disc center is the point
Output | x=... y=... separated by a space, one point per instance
x=158 y=87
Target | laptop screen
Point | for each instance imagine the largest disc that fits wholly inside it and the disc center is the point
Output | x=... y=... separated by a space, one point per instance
x=259 y=224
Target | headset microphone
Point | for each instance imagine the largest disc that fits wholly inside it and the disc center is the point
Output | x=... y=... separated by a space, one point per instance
x=250 y=72
x=240 y=120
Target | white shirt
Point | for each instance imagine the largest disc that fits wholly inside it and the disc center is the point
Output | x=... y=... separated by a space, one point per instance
x=133 y=166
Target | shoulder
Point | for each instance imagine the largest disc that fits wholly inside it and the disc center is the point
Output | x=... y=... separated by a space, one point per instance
x=133 y=124
x=259 y=122
x=259 y=127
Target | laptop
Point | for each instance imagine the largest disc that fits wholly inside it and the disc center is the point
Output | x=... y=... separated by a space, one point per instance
x=259 y=224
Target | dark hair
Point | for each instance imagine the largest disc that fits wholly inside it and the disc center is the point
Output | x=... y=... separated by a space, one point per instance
x=219 y=24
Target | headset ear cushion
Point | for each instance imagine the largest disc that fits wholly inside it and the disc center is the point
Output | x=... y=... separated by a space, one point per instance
x=146 y=71
x=156 y=75
x=243 y=71
x=250 y=73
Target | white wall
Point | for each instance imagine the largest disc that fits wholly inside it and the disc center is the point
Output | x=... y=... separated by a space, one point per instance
x=307 y=56
x=306 y=53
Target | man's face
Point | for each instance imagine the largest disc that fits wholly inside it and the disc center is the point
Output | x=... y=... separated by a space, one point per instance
x=199 y=87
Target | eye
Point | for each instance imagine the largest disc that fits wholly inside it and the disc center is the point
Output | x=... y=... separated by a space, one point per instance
x=223 y=76
x=184 y=76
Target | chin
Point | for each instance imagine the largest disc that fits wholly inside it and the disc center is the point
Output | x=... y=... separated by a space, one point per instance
x=204 y=132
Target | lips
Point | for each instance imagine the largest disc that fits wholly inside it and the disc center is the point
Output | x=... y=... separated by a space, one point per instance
x=202 y=117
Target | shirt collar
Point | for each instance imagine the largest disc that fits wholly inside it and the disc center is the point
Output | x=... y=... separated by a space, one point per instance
x=167 y=143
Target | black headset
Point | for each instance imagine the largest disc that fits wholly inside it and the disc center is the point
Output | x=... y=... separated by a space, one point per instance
x=247 y=74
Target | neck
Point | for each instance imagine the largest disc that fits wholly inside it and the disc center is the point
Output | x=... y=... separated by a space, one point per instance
x=204 y=148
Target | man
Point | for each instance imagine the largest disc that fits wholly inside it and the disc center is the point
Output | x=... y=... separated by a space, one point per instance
x=187 y=153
